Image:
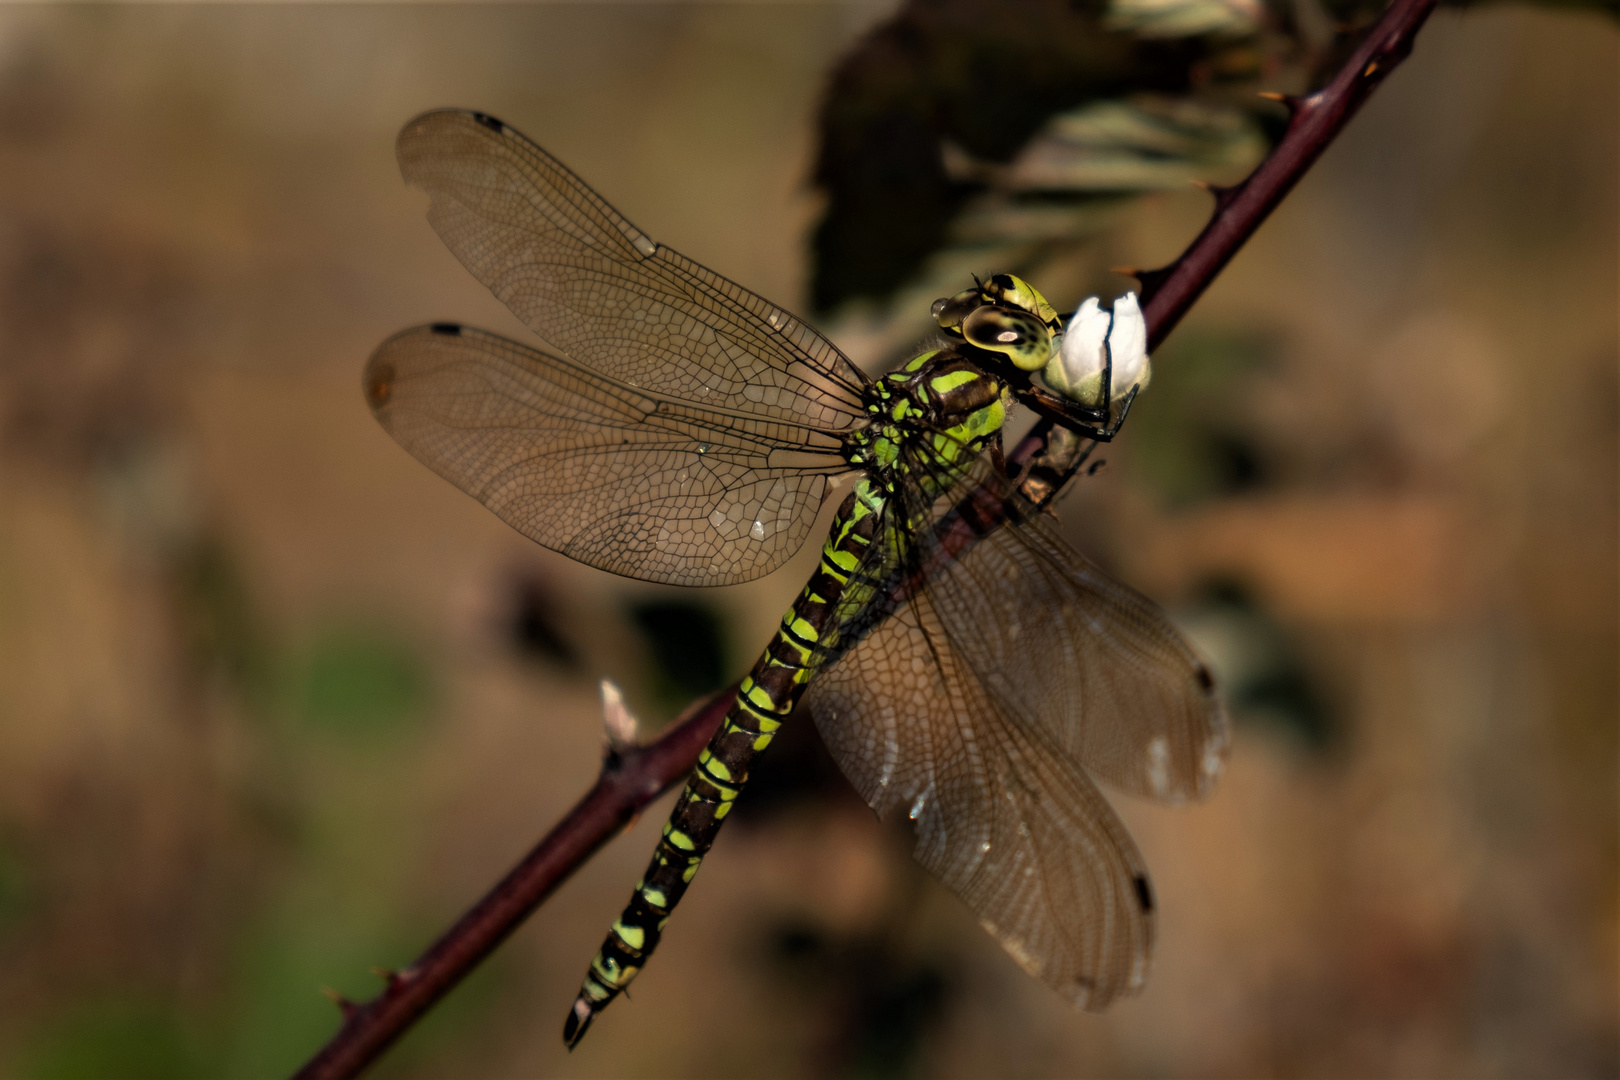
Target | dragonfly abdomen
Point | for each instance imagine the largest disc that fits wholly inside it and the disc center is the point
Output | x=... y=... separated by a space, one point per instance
x=765 y=697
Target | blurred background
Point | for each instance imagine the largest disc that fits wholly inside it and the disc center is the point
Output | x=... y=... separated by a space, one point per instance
x=277 y=704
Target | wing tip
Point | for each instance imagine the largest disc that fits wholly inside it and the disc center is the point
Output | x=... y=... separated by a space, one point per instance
x=423 y=125
x=377 y=382
x=381 y=373
x=1144 y=893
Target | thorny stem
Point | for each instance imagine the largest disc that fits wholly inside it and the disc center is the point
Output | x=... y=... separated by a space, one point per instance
x=631 y=778
x=1314 y=121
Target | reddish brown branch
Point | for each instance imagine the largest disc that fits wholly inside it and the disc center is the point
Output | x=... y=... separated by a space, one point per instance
x=1315 y=120
x=632 y=779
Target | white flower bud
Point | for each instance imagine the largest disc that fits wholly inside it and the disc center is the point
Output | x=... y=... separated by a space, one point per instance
x=1076 y=371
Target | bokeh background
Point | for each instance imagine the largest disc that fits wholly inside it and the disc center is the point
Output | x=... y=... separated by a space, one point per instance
x=277 y=704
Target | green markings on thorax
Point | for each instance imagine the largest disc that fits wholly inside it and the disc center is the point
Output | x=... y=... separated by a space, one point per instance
x=953 y=380
x=940 y=400
x=943 y=402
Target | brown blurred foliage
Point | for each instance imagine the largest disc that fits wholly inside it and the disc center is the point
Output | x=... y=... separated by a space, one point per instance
x=276 y=703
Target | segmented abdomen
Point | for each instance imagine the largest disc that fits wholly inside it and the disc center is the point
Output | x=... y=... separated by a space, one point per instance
x=764 y=699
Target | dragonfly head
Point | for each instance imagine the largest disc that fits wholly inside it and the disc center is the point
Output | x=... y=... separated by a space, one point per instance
x=1005 y=315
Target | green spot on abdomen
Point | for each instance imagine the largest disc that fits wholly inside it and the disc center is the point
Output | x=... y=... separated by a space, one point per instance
x=633 y=936
x=717 y=769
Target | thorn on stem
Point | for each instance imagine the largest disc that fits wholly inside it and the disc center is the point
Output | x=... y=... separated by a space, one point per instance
x=1296 y=105
x=389 y=976
x=1223 y=195
x=345 y=1006
x=1292 y=102
x=1153 y=280
x=620 y=724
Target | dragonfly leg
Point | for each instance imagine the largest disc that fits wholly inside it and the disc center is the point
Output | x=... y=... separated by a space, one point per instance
x=998 y=458
x=1111 y=428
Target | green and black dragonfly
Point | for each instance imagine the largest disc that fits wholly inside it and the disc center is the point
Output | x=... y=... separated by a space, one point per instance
x=678 y=428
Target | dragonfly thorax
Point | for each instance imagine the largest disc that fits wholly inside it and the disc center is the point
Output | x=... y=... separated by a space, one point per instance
x=938 y=413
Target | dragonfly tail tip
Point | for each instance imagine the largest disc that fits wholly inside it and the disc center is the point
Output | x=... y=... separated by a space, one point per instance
x=579 y=1020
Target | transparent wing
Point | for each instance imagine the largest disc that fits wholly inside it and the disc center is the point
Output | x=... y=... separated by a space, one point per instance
x=600 y=291
x=1092 y=665
x=976 y=703
x=618 y=478
x=1002 y=818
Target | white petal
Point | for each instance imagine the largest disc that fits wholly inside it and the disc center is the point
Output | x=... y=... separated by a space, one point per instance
x=1076 y=372
x=1080 y=358
x=1082 y=345
x=1128 y=343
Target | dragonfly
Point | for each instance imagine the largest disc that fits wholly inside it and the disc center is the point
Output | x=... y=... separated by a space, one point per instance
x=673 y=426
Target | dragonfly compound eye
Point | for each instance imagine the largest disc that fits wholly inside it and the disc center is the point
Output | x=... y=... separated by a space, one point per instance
x=1020 y=336
x=949 y=312
x=1010 y=290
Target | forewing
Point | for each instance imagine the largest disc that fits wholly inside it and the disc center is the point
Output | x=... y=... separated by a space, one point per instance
x=615 y=477
x=1091 y=665
x=600 y=291
x=1003 y=818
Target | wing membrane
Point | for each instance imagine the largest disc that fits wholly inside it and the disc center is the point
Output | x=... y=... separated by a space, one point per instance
x=1012 y=827
x=616 y=477
x=1091 y=664
x=600 y=291
x=976 y=703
